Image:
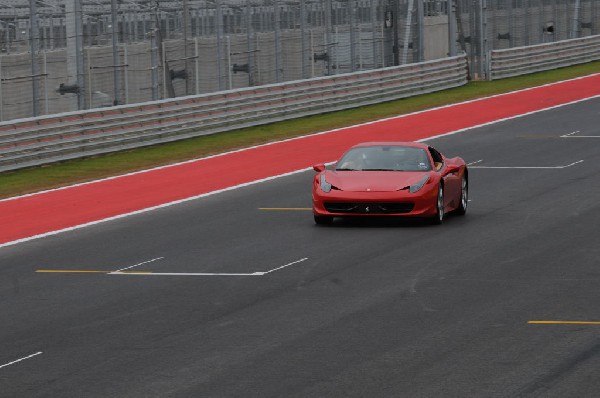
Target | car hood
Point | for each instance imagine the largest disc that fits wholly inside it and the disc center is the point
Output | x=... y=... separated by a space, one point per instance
x=373 y=181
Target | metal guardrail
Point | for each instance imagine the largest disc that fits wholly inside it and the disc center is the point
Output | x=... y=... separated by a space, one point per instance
x=48 y=139
x=522 y=60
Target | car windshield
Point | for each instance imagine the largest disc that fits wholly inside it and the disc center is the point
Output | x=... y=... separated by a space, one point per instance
x=385 y=158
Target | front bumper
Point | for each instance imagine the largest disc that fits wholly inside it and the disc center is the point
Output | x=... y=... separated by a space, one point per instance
x=365 y=204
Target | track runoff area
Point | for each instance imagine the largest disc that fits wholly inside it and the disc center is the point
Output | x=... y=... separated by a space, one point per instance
x=237 y=293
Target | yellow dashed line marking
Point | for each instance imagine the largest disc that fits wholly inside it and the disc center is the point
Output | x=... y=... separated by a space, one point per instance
x=564 y=322
x=69 y=271
x=286 y=208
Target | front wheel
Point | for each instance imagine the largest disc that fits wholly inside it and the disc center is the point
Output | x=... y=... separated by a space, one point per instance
x=464 y=196
x=439 y=214
x=323 y=220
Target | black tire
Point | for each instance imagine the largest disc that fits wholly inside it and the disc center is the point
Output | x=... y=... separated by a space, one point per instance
x=323 y=220
x=464 y=196
x=439 y=217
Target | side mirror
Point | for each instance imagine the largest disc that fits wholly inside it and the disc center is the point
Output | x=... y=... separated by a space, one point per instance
x=319 y=167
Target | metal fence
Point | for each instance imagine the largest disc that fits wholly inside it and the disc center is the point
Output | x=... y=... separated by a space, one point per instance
x=486 y=25
x=66 y=55
x=91 y=53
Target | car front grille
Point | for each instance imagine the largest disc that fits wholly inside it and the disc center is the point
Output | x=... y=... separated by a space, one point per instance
x=369 y=208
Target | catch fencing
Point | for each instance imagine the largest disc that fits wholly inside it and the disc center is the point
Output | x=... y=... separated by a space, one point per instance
x=91 y=54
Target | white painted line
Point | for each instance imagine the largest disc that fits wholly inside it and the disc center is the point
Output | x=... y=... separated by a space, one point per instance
x=527 y=167
x=258 y=273
x=287 y=265
x=184 y=274
x=472 y=163
x=176 y=202
x=572 y=135
x=21 y=359
x=135 y=265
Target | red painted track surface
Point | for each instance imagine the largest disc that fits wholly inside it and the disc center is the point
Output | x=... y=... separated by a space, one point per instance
x=55 y=210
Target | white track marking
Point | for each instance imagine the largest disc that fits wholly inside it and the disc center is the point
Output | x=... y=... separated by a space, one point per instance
x=570 y=134
x=573 y=135
x=259 y=273
x=527 y=167
x=287 y=265
x=289 y=173
x=20 y=359
x=142 y=263
x=472 y=163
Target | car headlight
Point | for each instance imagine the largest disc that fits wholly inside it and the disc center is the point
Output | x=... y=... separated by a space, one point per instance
x=325 y=186
x=415 y=187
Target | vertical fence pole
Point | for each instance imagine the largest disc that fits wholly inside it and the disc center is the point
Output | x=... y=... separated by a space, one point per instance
x=352 y=21
x=165 y=71
x=278 y=55
x=34 y=46
x=258 y=80
x=89 y=62
x=452 y=28
x=1 y=99
x=328 y=43
x=126 y=72
x=115 y=53
x=374 y=32
x=336 y=66
x=312 y=54
x=302 y=37
x=45 y=83
x=79 y=53
x=249 y=44
x=229 y=79
x=219 y=27
x=197 y=61
x=407 y=31
x=420 y=31
x=576 y=24
x=186 y=27
x=154 y=56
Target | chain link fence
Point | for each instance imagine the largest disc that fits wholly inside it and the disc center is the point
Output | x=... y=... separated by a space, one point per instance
x=100 y=53
x=485 y=25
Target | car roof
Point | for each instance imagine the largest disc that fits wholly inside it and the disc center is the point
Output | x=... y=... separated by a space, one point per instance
x=392 y=143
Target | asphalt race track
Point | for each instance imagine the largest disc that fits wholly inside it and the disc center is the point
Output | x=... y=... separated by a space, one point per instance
x=239 y=294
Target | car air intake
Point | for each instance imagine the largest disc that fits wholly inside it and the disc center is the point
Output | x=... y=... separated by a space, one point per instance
x=369 y=208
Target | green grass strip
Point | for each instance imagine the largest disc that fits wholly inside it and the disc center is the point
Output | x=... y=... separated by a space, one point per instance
x=76 y=171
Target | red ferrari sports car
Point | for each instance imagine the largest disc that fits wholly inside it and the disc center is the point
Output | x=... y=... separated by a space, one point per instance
x=405 y=179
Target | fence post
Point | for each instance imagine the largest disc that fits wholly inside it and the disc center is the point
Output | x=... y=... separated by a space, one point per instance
x=89 y=62
x=45 y=83
x=328 y=35
x=219 y=27
x=352 y=20
x=197 y=65
x=374 y=32
x=34 y=46
x=420 y=31
x=576 y=24
x=452 y=28
x=407 y=31
x=249 y=44
x=1 y=99
x=115 y=53
x=278 y=63
x=229 y=79
x=126 y=72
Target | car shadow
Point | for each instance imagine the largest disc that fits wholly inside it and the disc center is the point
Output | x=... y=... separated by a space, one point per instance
x=385 y=222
